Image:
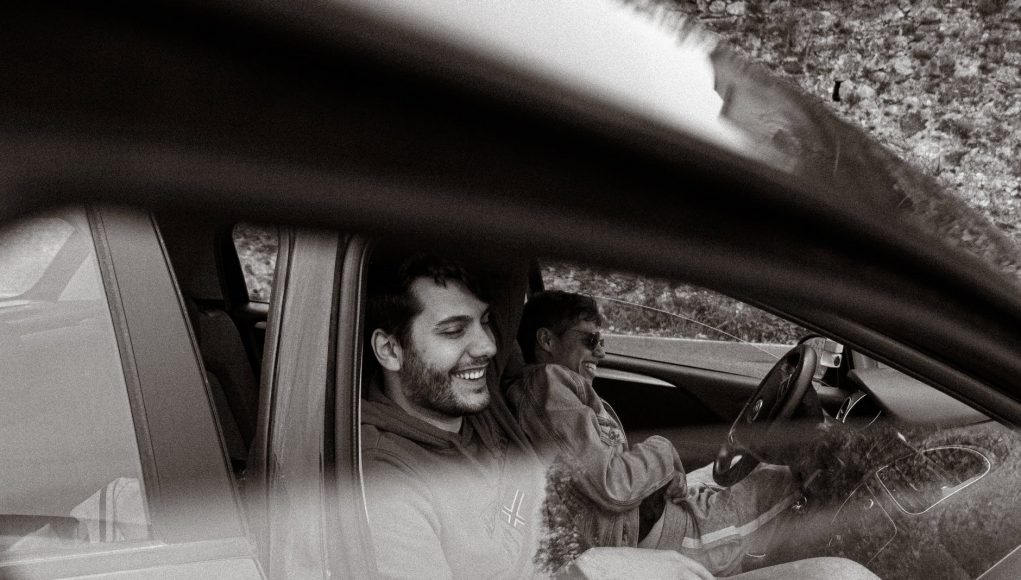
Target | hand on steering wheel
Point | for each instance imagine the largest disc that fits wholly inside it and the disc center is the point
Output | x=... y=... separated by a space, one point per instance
x=774 y=401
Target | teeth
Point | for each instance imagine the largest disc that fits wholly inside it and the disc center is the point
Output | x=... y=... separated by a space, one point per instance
x=471 y=375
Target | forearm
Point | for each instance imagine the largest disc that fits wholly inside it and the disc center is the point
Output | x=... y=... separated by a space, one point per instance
x=619 y=481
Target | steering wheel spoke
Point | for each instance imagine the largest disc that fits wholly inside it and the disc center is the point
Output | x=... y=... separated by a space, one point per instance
x=774 y=401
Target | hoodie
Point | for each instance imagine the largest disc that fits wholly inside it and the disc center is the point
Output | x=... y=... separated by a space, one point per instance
x=449 y=505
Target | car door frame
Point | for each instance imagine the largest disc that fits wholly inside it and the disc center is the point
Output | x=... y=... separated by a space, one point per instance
x=196 y=522
x=317 y=357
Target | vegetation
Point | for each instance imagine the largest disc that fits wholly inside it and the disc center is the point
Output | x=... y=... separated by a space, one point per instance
x=644 y=306
x=936 y=81
x=257 y=249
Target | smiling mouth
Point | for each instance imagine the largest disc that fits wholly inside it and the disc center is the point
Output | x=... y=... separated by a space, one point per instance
x=590 y=366
x=471 y=374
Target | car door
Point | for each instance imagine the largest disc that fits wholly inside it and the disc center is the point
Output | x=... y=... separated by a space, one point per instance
x=113 y=463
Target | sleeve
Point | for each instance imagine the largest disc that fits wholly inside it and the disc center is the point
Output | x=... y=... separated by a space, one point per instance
x=405 y=529
x=560 y=424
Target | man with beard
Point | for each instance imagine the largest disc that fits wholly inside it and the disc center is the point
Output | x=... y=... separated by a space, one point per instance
x=451 y=485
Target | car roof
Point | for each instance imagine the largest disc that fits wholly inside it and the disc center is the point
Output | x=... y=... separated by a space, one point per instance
x=339 y=115
x=649 y=61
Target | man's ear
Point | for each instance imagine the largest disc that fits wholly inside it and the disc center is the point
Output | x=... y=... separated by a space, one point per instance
x=387 y=350
x=544 y=340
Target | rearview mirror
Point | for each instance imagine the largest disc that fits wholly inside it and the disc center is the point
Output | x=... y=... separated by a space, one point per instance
x=830 y=353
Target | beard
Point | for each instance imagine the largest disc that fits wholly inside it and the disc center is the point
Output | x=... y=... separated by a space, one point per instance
x=434 y=389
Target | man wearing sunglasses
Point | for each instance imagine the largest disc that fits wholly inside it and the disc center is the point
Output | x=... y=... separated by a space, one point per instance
x=603 y=492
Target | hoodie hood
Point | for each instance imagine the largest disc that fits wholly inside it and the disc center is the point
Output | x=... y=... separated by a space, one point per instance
x=494 y=426
x=382 y=413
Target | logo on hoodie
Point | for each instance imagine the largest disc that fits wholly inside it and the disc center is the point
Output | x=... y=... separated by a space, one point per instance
x=512 y=513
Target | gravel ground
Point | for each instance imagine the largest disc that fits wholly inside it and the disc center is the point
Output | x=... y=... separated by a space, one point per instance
x=935 y=81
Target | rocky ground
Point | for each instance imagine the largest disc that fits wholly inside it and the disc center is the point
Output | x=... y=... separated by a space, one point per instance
x=936 y=81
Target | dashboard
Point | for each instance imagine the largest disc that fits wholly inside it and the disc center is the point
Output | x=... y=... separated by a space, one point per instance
x=919 y=485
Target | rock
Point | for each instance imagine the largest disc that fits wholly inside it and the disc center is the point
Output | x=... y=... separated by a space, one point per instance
x=736 y=9
x=863 y=92
x=902 y=65
x=780 y=6
x=854 y=92
x=822 y=20
x=966 y=68
x=717 y=7
x=879 y=78
x=922 y=53
x=791 y=65
x=724 y=24
x=946 y=63
x=955 y=124
x=930 y=15
x=892 y=13
x=954 y=157
x=912 y=123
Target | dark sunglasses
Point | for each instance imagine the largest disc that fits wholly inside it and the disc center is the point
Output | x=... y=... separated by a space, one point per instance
x=591 y=340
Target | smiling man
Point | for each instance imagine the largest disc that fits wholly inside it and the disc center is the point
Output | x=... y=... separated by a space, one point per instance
x=451 y=485
x=580 y=437
x=607 y=493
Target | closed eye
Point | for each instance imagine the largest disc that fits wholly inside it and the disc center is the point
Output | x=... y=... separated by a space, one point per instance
x=452 y=332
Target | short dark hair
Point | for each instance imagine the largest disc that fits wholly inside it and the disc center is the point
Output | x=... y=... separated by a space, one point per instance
x=391 y=304
x=556 y=310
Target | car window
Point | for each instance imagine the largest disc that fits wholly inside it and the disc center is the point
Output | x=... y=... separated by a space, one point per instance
x=71 y=470
x=26 y=249
x=257 y=250
x=670 y=321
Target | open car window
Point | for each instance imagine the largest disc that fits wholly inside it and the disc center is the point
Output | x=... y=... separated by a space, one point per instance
x=256 y=246
x=674 y=322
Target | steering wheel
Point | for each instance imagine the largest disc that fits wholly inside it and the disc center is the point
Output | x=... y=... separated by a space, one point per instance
x=773 y=402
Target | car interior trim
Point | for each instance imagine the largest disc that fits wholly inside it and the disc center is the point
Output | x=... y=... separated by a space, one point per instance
x=871 y=502
x=351 y=509
x=198 y=360
x=173 y=388
x=132 y=382
x=115 y=558
x=258 y=471
x=848 y=405
x=631 y=377
x=947 y=492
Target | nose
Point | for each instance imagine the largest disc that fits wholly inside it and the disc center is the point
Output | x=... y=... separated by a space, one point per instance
x=599 y=352
x=483 y=344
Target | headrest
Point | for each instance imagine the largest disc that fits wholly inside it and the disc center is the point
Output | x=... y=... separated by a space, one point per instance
x=190 y=244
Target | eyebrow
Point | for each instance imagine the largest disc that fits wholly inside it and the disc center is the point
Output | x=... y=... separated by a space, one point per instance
x=461 y=318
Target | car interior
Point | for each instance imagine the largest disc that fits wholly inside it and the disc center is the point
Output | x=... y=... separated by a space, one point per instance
x=920 y=455
x=229 y=328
